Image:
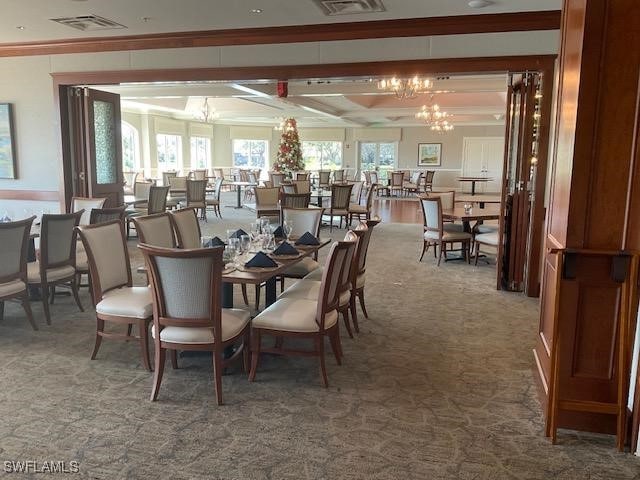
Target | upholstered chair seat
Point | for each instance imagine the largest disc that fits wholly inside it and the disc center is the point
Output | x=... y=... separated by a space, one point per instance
x=452 y=227
x=302 y=268
x=53 y=274
x=234 y=321
x=308 y=289
x=82 y=263
x=357 y=208
x=488 y=238
x=486 y=228
x=132 y=302
x=447 y=236
x=11 y=288
x=293 y=315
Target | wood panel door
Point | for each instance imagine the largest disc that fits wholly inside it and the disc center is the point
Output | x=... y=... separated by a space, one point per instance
x=484 y=157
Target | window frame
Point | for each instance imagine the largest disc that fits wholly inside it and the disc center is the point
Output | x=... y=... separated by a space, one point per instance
x=137 y=164
x=251 y=141
x=376 y=163
x=179 y=160
x=209 y=154
x=323 y=167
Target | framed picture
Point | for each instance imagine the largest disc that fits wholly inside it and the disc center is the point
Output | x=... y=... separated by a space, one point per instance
x=7 y=144
x=429 y=154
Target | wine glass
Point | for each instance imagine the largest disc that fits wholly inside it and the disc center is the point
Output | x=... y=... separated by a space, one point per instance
x=287 y=227
x=245 y=243
x=265 y=225
x=230 y=234
x=234 y=250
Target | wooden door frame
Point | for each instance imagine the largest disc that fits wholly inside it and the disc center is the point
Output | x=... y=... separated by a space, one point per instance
x=544 y=64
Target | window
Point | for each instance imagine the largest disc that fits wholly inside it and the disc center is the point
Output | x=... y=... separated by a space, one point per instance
x=250 y=154
x=169 y=152
x=322 y=155
x=378 y=156
x=130 y=148
x=200 y=152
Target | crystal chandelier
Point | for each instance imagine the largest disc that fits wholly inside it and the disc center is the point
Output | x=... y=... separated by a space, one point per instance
x=441 y=126
x=207 y=113
x=434 y=117
x=406 y=87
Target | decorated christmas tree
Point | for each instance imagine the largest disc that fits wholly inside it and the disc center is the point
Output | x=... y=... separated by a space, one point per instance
x=289 y=158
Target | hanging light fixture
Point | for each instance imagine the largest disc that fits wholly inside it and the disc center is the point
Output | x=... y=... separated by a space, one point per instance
x=406 y=87
x=434 y=117
x=207 y=113
x=441 y=126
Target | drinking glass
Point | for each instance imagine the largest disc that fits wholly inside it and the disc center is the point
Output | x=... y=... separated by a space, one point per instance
x=234 y=250
x=255 y=230
x=265 y=225
x=287 y=227
x=230 y=234
x=269 y=242
x=245 y=243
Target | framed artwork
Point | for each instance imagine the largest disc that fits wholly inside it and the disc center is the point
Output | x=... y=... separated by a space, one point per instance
x=429 y=154
x=7 y=144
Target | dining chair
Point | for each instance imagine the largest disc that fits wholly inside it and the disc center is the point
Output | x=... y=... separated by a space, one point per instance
x=156 y=203
x=301 y=176
x=356 y=192
x=324 y=178
x=117 y=300
x=155 y=230
x=288 y=188
x=339 y=206
x=360 y=211
x=200 y=174
x=302 y=186
x=295 y=200
x=57 y=262
x=428 y=180
x=267 y=201
x=167 y=176
x=249 y=190
x=490 y=239
x=86 y=204
x=187 y=313
x=276 y=178
x=309 y=289
x=214 y=200
x=397 y=182
x=338 y=176
x=448 y=202
x=435 y=234
x=14 y=238
x=196 y=196
x=178 y=184
x=306 y=319
x=102 y=215
x=129 y=181
x=186 y=227
x=413 y=184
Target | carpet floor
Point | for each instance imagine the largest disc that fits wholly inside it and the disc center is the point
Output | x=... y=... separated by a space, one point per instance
x=437 y=385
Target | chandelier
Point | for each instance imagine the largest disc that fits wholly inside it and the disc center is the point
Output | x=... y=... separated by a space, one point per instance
x=441 y=126
x=207 y=113
x=434 y=117
x=406 y=87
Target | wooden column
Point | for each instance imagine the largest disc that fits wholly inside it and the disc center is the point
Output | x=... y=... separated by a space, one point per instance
x=593 y=217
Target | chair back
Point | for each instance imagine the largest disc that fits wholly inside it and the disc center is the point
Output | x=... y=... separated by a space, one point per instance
x=339 y=259
x=217 y=187
x=141 y=189
x=367 y=177
x=302 y=186
x=323 y=178
x=196 y=192
x=267 y=196
x=58 y=240
x=200 y=174
x=252 y=177
x=155 y=230
x=288 y=188
x=276 y=178
x=428 y=179
x=295 y=200
x=303 y=220
x=186 y=227
x=102 y=215
x=447 y=199
x=157 y=199
x=432 y=215
x=268 y=183
x=167 y=176
x=373 y=175
x=349 y=269
x=301 y=176
x=178 y=183
x=244 y=175
x=338 y=176
x=218 y=173
x=415 y=177
x=107 y=256
x=370 y=193
x=14 y=238
x=130 y=178
x=363 y=248
x=340 y=196
x=397 y=179
x=86 y=204
x=356 y=192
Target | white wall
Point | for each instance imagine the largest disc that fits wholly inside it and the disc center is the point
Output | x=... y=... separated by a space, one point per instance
x=26 y=82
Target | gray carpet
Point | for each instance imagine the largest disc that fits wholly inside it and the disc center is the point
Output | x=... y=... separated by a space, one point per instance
x=438 y=385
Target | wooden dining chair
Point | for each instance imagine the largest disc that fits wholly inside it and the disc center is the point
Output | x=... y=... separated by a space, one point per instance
x=167 y=176
x=339 y=206
x=413 y=184
x=324 y=178
x=302 y=186
x=214 y=200
x=428 y=180
x=129 y=181
x=301 y=176
x=200 y=174
x=338 y=176
x=435 y=234
x=267 y=199
x=306 y=319
x=196 y=196
x=102 y=215
x=490 y=239
x=448 y=202
x=276 y=178
x=359 y=211
x=117 y=300
x=187 y=313
x=86 y=205
x=14 y=238
x=397 y=182
x=295 y=200
x=289 y=188
x=186 y=227
x=156 y=230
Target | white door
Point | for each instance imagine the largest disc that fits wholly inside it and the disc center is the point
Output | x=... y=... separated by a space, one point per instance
x=483 y=157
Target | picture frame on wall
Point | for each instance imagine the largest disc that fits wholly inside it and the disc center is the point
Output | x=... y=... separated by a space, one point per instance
x=429 y=154
x=7 y=142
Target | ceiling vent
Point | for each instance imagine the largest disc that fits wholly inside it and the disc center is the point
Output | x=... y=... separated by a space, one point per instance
x=88 y=23
x=349 y=7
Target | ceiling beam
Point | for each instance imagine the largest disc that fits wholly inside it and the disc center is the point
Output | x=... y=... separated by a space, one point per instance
x=411 y=27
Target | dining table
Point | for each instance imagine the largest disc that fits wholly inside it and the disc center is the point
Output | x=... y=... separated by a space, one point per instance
x=239 y=186
x=473 y=181
x=466 y=216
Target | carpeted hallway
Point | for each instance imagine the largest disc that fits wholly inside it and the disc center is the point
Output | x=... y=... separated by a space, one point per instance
x=438 y=385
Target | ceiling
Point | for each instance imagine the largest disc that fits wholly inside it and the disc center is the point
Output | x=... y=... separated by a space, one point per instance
x=348 y=102
x=161 y=16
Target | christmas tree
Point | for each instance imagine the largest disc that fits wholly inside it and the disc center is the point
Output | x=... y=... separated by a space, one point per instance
x=289 y=158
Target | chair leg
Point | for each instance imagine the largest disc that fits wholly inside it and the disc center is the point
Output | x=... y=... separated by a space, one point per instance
x=364 y=309
x=255 y=354
x=282 y=284
x=158 y=371
x=45 y=303
x=99 y=330
x=129 y=329
x=257 y=305
x=27 y=309
x=477 y=251
x=440 y=255
x=2 y=310
x=245 y=352
x=244 y=294
x=143 y=332
x=53 y=294
x=174 y=359
x=345 y=317
x=354 y=315
x=334 y=338
x=76 y=297
x=425 y=245
x=323 y=368
x=217 y=373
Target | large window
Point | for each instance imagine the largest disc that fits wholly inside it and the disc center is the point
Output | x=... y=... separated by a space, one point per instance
x=169 y=152
x=378 y=156
x=200 y=152
x=322 y=155
x=130 y=148
x=250 y=154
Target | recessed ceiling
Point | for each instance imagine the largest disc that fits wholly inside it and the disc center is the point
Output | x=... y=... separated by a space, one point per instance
x=346 y=102
x=192 y=15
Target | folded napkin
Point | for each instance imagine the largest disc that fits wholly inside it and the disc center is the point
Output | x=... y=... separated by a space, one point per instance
x=285 y=248
x=278 y=232
x=260 y=260
x=238 y=233
x=215 y=242
x=307 y=239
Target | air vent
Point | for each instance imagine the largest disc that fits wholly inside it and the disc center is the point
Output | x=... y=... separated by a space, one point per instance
x=88 y=23
x=349 y=7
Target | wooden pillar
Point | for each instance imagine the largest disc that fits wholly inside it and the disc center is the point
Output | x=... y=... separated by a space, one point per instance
x=594 y=216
